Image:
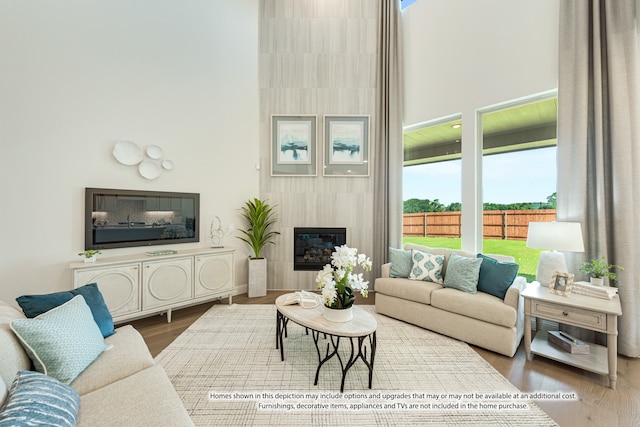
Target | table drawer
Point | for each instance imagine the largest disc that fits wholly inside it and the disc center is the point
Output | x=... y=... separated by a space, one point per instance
x=572 y=316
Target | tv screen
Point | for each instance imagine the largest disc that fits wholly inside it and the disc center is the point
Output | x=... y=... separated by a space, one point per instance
x=126 y=218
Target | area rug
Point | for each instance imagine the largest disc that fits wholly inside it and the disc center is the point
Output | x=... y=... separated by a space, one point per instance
x=227 y=371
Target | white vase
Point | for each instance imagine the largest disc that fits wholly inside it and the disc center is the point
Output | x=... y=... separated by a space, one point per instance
x=91 y=258
x=338 y=315
x=257 y=286
x=597 y=281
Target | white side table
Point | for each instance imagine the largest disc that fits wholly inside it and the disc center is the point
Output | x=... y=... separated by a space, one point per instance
x=582 y=311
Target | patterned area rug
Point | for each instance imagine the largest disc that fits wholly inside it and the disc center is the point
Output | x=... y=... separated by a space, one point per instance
x=227 y=371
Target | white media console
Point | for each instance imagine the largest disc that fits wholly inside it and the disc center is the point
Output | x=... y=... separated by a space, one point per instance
x=138 y=285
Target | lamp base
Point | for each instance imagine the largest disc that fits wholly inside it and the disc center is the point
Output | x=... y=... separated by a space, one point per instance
x=549 y=263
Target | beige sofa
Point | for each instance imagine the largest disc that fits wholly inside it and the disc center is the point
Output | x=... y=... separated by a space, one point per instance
x=123 y=386
x=480 y=319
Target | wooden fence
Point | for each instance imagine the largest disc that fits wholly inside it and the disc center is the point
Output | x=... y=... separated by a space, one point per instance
x=505 y=225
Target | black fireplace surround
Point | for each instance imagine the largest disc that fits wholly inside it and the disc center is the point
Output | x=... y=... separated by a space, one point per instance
x=313 y=246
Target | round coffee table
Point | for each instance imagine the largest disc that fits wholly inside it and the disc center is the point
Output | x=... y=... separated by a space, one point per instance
x=359 y=331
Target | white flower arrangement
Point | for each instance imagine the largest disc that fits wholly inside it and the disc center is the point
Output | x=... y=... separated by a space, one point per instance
x=337 y=280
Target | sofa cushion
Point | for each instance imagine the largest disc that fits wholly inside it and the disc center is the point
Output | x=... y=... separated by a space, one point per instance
x=495 y=276
x=143 y=399
x=401 y=262
x=412 y=290
x=446 y=253
x=37 y=399
x=462 y=273
x=479 y=306
x=35 y=305
x=426 y=266
x=13 y=358
x=63 y=341
x=129 y=354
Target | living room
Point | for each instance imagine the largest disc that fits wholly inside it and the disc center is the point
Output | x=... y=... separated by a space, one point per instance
x=81 y=76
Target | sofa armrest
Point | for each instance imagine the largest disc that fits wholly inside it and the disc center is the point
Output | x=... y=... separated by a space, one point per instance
x=385 y=270
x=512 y=297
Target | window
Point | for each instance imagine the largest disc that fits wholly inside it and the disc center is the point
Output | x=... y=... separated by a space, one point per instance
x=432 y=183
x=518 y=175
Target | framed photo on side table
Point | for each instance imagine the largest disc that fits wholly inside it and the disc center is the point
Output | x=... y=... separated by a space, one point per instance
x=561 y=283
x=293 y=145
x=346 y=146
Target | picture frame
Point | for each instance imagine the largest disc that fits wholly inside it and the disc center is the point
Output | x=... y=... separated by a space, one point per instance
x=561 y=283
x=346 y=146
x=294 y=145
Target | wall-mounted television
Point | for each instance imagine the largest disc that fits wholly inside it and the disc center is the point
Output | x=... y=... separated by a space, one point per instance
x=126 y=218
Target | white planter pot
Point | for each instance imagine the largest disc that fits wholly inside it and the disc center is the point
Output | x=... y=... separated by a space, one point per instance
x=257 y=286
x=597 y=281
x=334 y=315
x=91 y=258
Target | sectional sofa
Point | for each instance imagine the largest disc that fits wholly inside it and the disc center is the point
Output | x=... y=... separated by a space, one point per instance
x=121 y=387
x=490 y=315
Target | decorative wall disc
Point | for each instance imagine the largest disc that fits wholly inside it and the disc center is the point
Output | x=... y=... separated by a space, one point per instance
x=149 y=169
x=128 y=153
x=154 y=152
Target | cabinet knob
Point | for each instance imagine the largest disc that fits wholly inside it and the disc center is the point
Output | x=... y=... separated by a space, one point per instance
x=564 y=313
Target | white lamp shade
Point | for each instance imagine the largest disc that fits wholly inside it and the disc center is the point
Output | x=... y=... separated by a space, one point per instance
x=555 y=236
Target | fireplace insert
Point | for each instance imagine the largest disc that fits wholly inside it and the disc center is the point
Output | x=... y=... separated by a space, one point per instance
x=313 y=246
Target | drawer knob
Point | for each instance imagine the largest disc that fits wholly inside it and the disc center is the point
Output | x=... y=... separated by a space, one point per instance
x=564 y=313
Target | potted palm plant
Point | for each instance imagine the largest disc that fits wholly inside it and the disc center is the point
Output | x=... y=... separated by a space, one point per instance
x=598 y=269
x=260 y=217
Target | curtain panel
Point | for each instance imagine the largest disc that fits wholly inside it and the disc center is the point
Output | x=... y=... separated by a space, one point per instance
x=599 y=143
x=387 y=215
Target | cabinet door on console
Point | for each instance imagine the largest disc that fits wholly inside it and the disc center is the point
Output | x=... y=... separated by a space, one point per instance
x=119 y=286
x=166 y=282
x=214 y=274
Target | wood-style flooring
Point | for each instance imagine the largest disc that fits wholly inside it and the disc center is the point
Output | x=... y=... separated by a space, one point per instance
x=595 y=405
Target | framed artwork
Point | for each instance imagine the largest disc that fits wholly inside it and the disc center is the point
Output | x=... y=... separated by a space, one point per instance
x=561 y=283
x=346 y=146
x=293 y=145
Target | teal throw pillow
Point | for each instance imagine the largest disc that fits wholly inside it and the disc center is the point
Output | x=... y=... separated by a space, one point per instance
x=401 y=262
x=37 y=399
x=495 y=276
x=63 y=341
x=35 y=305
x=426 y=267
x=462 y=273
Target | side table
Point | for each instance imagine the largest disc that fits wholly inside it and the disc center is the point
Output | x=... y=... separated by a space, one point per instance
x=591 y=313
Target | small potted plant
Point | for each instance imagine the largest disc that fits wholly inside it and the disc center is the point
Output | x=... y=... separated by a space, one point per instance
x=598 y=269
x=90 y=255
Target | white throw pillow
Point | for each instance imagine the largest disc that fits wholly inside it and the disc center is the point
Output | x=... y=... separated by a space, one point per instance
x=426 y=267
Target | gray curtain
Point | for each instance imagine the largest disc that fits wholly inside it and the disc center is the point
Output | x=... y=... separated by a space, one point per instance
x=599 y=143
x=387 y=215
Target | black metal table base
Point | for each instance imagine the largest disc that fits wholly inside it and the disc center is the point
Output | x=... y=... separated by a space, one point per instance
x=358 y=349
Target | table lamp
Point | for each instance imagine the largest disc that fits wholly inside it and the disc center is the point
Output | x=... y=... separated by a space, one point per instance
x=554 y=236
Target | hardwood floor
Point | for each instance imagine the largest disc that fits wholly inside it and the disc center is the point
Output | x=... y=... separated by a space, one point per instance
x=595 y=404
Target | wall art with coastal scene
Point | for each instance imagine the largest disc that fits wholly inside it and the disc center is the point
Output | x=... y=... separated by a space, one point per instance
x=346 y=146
x=293 y=145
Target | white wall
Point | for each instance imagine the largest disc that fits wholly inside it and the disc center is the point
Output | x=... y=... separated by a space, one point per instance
x=79 y=75
x=462 y=56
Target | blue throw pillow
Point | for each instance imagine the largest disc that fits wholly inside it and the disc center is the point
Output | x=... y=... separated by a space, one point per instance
x=35 y=305
x=462 y=273
x=495 y=276
x=401 y=262
x=63 y=341
x=38 y=399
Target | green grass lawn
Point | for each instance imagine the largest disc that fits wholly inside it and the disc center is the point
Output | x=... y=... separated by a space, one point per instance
x=527 y=258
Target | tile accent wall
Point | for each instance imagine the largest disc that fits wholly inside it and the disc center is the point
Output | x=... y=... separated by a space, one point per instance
x=316 y=57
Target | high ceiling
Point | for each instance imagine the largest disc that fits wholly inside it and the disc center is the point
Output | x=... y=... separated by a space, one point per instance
x=517 y=128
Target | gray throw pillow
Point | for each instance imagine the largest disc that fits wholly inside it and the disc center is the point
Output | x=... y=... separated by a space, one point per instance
x=462 y=273
x=401 y=263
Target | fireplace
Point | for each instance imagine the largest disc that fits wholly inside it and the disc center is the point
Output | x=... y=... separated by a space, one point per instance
x=313 y=246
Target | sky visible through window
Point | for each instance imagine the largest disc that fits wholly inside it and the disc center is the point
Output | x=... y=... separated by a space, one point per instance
x=522 y=176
